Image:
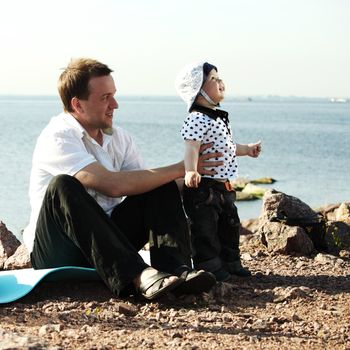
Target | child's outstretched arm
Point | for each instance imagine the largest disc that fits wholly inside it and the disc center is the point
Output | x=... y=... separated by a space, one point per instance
x=192 y=177
x=251 y=149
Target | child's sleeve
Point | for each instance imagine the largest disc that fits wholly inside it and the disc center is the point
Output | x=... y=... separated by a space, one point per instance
x=195 y=127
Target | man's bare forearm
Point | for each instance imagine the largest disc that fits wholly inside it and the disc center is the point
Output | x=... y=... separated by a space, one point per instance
x=126 y=183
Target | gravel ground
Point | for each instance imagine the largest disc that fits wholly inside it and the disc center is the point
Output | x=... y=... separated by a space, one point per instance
x=290 y=302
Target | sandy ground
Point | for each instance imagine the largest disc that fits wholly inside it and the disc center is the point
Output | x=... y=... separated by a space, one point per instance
x=290 y=302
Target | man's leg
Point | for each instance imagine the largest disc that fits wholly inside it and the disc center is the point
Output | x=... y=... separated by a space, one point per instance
x=159 y=215
x=72 y=229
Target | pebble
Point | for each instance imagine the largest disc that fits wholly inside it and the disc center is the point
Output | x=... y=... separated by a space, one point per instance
x=49 y=328
x=176 y=335
x=126 y=309
x=246 y=257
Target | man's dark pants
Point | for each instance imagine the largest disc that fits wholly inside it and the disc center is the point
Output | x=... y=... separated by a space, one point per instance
x=73 y=230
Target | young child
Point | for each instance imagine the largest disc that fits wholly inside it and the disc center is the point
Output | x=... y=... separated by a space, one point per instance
x=209 y=199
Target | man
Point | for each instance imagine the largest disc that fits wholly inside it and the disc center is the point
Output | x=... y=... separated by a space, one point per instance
x=82 y=168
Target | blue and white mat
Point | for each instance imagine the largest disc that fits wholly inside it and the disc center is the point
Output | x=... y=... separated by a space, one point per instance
x=15 y=284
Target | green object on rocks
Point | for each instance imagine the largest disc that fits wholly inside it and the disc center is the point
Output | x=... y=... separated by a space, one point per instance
x=263 y=180
x=254 y=190
x=241 y=196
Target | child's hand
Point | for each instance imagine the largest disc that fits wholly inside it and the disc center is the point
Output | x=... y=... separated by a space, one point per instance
x=192 y=179
x=254 y=149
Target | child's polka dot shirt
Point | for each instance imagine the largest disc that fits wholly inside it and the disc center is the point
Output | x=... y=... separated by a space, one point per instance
x=199 y=126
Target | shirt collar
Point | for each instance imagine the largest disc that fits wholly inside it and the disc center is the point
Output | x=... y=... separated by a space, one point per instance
x=76 y=125
x=212 y=113
x=69 y=119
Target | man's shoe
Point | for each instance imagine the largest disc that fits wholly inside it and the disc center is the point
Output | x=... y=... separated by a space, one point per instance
x=195 y=282
x=151 y=287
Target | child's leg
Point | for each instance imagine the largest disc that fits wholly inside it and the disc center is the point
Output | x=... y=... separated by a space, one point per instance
x=229 y=233
x=202 y=205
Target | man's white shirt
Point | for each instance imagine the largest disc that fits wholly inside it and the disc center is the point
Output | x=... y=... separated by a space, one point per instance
x=64 y=147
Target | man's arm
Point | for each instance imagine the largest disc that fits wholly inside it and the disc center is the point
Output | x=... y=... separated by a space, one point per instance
x=122 y=183
x=126 y=183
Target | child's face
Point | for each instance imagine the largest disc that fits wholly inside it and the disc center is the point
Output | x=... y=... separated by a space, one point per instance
x=214 y=87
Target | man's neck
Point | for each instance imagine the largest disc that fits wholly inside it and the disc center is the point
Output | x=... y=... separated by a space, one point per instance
x=94 y=133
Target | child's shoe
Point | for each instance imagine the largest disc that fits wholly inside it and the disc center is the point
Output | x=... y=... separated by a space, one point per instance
x=236 y=268
x=221 y=275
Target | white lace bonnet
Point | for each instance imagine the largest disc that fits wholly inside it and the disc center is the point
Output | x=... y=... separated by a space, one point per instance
x=189 y=82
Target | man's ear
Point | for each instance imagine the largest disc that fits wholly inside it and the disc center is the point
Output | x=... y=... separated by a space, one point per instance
x=76 y=105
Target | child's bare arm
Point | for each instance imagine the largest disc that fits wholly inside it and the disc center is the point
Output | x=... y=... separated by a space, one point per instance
x=192 y=177
x=250 y=149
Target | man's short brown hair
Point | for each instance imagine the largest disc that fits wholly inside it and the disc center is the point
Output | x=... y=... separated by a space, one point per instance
x=74 y=81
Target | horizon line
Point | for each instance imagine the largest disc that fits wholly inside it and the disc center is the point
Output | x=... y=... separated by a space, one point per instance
x=172 y=96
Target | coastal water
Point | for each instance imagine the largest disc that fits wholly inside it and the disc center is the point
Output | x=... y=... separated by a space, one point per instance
x=306 y=144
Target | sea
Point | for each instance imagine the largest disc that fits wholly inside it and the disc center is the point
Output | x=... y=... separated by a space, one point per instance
x=305 y=144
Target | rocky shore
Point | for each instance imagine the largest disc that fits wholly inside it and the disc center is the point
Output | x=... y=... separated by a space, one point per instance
x=297 y=298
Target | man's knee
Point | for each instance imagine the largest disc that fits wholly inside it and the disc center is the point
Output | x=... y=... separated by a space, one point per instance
x=63 y=182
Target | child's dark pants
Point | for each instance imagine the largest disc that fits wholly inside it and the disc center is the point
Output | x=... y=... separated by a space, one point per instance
x=215 y=225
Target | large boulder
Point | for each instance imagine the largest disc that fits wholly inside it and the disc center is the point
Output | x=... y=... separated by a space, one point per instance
x=287 y=224
x=277 y=204
x=284 y=239
x=8 y=244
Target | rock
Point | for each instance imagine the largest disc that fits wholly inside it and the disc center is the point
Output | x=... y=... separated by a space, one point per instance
x=275 y=202
x=285 y=294
x=250 y=226
x=8 y=244
x=304 y=229
x=326 y=259
x=344 y=254
x=246 y=257
x=49 y=328
x=342 y=213
x=336 y=212
x=337 y=236
x=222 y=291
x=126 y=309
x=19 y=260
x=280 y=238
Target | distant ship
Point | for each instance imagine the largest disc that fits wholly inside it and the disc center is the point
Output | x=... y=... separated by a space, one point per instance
x=338 y=100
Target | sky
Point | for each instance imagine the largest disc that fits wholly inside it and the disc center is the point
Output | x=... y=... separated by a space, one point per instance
x=261 y=47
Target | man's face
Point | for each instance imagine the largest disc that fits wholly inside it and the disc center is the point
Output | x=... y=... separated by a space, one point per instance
x=97 y=111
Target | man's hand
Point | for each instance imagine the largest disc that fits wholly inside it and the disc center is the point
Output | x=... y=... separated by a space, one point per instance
x=204 y=162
